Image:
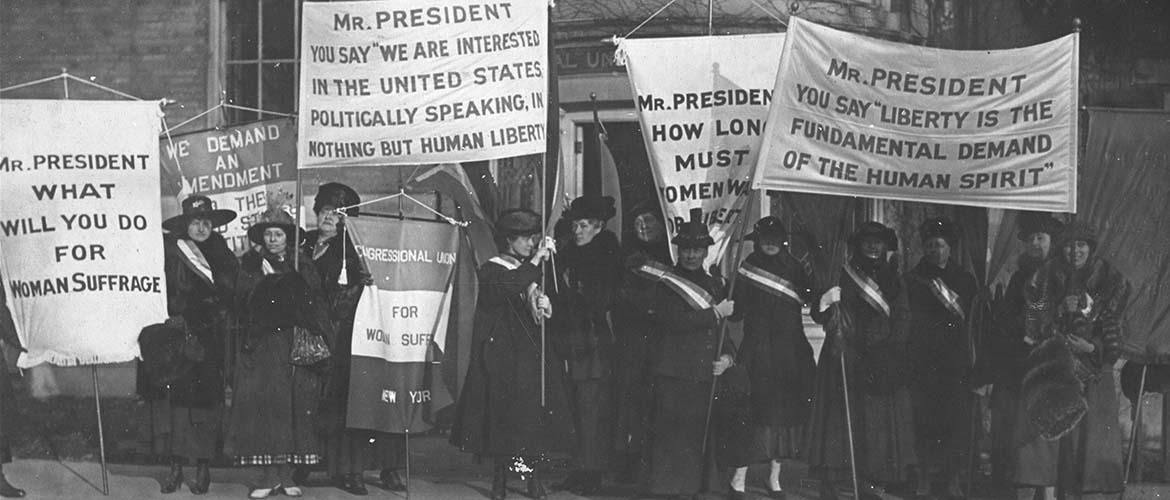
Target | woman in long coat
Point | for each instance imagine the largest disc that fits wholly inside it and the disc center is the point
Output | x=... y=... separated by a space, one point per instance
x=875 y=317
x=7 y=398
x=500 y=415
x=1007 y=350
x=275 y=403
x=775 y=352
x=1070 y=435
x=348 y=452
x=201 y=273
x=941 y=293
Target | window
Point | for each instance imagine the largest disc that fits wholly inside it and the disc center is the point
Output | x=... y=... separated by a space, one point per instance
x=261 y=56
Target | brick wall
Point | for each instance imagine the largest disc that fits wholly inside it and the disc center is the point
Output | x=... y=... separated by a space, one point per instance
x=147 y=48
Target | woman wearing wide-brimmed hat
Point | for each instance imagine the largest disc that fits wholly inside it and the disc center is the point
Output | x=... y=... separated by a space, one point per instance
x=875 y=318
x=775 y=353
x=499 y=414
x=201 y=274
x=1069 y=434
x=348 y=452
x=1004 y=361
x=941 y=294
x=275 y=403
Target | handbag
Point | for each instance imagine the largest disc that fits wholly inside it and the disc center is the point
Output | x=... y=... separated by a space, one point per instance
x=307 y=349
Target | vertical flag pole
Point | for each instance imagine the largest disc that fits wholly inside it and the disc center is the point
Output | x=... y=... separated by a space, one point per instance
x=552 y=135
x=407 y=464
x=97 y=402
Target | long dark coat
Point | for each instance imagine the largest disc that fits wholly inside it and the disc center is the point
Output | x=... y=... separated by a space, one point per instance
x=685 y=345
x=940 y=356
x=7 y=398
x=875 y=357
x=633 y=329
x=499 y=411
x=1003 y=365
x=275 y=403
x=1087 y=459
x=588 y=278
x=207 y=308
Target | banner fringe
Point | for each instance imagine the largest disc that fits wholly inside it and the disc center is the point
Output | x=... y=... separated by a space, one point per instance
x=55 y=358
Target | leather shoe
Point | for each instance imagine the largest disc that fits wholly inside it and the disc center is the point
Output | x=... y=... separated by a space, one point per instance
x=173 y=480
x=733 y=494
x=391 y=481
x=259 y=493
x=353 y=484
x=777 y=494
x=202 y=479
x=536 y=489
x=499 y=483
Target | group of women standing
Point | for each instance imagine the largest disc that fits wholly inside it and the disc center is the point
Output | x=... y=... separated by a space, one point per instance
x=239 y=322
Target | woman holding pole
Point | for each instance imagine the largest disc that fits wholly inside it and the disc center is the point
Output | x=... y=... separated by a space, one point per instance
x=503 y=414
x=274 y=409
x=867 y=402
x=348 y=452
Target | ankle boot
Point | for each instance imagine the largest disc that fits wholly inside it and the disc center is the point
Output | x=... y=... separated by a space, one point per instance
x=499 y=482
x=202 y=478
x=536 y=489
x=173 y=480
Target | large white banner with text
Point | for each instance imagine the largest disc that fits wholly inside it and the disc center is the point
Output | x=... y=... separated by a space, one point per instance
x=703 y=121
x=856 y=116
x=80 y=232
x=386 y=82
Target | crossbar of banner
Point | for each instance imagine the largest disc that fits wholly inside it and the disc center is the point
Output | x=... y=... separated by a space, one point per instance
x=66 y=77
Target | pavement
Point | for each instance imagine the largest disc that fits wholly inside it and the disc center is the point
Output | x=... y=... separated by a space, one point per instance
x=438 y=471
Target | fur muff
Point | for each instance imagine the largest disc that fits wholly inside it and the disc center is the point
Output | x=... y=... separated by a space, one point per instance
x=1053 y=395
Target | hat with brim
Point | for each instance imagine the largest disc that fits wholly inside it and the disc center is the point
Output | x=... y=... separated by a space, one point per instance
x=198 y=207
x=337 y=195
x=518 y=222
x=1032 y=223
x=1078 y=231
x=272 y=218
x=693 y=234
x=939 y=227
x=591 y=207
x=768 y=228
x=874 y=230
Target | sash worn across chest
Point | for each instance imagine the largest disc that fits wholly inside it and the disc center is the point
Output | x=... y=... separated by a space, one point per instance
x=948 y=297
x=769 y=283
x=506 y=262
x=694 y=295
x=195 y=260
x=869 y=290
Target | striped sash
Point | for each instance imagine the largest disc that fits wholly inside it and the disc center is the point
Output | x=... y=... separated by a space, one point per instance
x=869 y=290
x=506 y=261
x=770 y=283
x=195 y=260
x=694 y=295
x=948 y=297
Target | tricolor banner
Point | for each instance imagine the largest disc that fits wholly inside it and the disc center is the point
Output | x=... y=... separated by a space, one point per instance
x=245 y=168
x=401 y=323
x=857 y=116
x=703 y=121
x=81 y=250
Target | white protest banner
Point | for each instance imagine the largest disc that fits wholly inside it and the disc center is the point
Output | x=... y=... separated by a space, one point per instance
x=244 y=168
x=385 y=83
x=400 y=324
x=81 y=251
x=856 y=116
x=703 y=121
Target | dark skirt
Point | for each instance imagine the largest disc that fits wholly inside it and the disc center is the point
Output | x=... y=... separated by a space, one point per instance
x=675 y=464
x=180 y=431
x=357 y=450
x=274 y=405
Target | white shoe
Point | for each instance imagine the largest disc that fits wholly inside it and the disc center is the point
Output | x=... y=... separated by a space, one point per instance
x=293 y=491
x=261 y=493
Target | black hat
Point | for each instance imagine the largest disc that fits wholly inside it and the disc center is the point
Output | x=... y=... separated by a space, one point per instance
x=274 y=217
x=1078 y=231
x=518 y=222
x=939 y=227
x=1031 y=223
x=591 y=207
x=198 y=206
x=694 y=233
x=872 y=229
x=647 y=206
x=336 y=195
x=768 y=227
